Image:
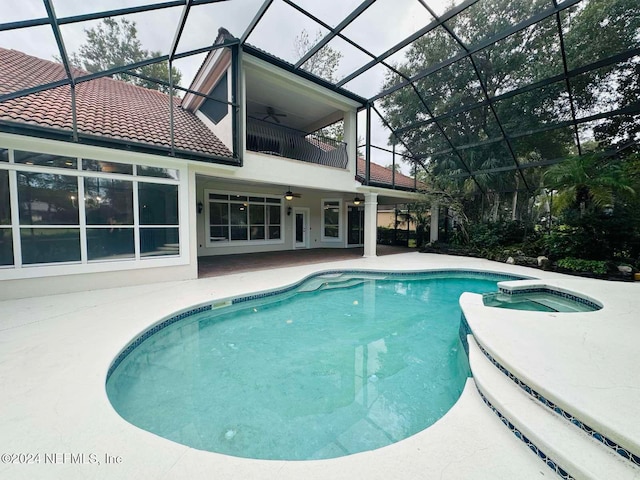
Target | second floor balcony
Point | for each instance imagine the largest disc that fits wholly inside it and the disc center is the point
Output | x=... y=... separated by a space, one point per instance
x=274 y=139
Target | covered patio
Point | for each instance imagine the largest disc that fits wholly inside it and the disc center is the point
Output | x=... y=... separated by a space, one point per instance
x=218 y=265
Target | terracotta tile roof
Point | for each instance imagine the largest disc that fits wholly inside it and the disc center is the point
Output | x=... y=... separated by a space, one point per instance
x=105 y=107
x=378 y=174
x=383 y=176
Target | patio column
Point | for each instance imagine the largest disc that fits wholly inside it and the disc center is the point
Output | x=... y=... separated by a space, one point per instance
x=370 y=224
x=435 y=220
x=351 y=138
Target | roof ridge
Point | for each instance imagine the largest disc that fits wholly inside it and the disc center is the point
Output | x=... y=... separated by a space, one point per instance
x=223 y=35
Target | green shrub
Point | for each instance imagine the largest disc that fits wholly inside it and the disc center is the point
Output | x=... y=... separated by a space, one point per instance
x=580 y=265
x=596 y=236
x=503 y=233
x=565 y=242
x=392 y=236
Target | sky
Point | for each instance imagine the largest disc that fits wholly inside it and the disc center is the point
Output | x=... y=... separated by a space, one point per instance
x=381 y=26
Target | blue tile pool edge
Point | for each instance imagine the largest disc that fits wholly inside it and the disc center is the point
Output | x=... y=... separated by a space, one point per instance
x=211 y=305
x=496 y=275
x=607 y=442
x=163 y=323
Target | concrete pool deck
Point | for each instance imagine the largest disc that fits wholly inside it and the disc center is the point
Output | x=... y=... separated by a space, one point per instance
x=55 y=352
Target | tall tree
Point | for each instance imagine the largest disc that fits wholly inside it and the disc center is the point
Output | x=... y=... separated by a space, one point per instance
x=616 y=23
x=587 y=182
x=323 y=64
x=470 y=139
x=114 y=44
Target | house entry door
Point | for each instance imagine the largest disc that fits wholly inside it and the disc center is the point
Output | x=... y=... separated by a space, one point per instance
x=301 y=227
x=355 y=225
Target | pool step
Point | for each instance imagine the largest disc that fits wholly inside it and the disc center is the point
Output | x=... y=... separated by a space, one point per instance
x=324 y=283
x=575 y=452
x=349 y=282
x=559 y=304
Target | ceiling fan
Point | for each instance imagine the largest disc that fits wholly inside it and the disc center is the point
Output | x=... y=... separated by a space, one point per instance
x=289 y=195
x=271 y=113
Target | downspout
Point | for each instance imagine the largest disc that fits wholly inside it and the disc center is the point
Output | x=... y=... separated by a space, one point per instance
x=171 y=132
x=236 y=119
x=367 y=169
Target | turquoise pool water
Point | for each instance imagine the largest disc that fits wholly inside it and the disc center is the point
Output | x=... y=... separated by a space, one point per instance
x=340 y=365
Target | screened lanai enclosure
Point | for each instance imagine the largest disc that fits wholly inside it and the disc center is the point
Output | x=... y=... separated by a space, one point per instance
x=477 y=98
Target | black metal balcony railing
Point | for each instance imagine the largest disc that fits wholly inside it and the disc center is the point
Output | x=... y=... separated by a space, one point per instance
x=273 y=139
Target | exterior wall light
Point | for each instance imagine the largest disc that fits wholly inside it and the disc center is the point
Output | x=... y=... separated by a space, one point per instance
x=200 y=206
x=288 y=211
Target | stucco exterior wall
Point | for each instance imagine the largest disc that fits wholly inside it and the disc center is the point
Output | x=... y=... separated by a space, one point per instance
x=310 y=200
x=43 y=279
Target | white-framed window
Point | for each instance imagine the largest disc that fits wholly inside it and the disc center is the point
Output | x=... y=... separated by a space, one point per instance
x=60 y=210
x=6 y=236
x=237 y=218
x=331 y=219
x=213 y=110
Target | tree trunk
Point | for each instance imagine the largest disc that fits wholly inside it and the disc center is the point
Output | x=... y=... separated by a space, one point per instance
x=495 y=208
x=514 y=203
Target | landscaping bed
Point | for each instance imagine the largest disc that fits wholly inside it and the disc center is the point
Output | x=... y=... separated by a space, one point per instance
x=599 y=269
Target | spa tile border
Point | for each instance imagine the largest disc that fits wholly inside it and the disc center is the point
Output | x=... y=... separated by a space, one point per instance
x=523 y=438
x=551 y=291
x=607 y=442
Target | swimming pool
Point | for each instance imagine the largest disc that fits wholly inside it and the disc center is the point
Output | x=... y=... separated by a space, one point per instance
x=341 y=363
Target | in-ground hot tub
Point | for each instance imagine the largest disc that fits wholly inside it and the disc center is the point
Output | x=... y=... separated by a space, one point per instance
x=539 y=299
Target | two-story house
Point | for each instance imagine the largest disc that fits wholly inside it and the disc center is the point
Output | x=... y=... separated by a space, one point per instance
x=106 y=183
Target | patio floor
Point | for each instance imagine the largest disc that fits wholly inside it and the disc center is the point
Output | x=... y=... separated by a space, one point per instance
x=216 y=265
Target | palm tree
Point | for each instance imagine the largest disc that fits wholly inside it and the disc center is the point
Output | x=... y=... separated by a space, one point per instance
x=587 y=182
